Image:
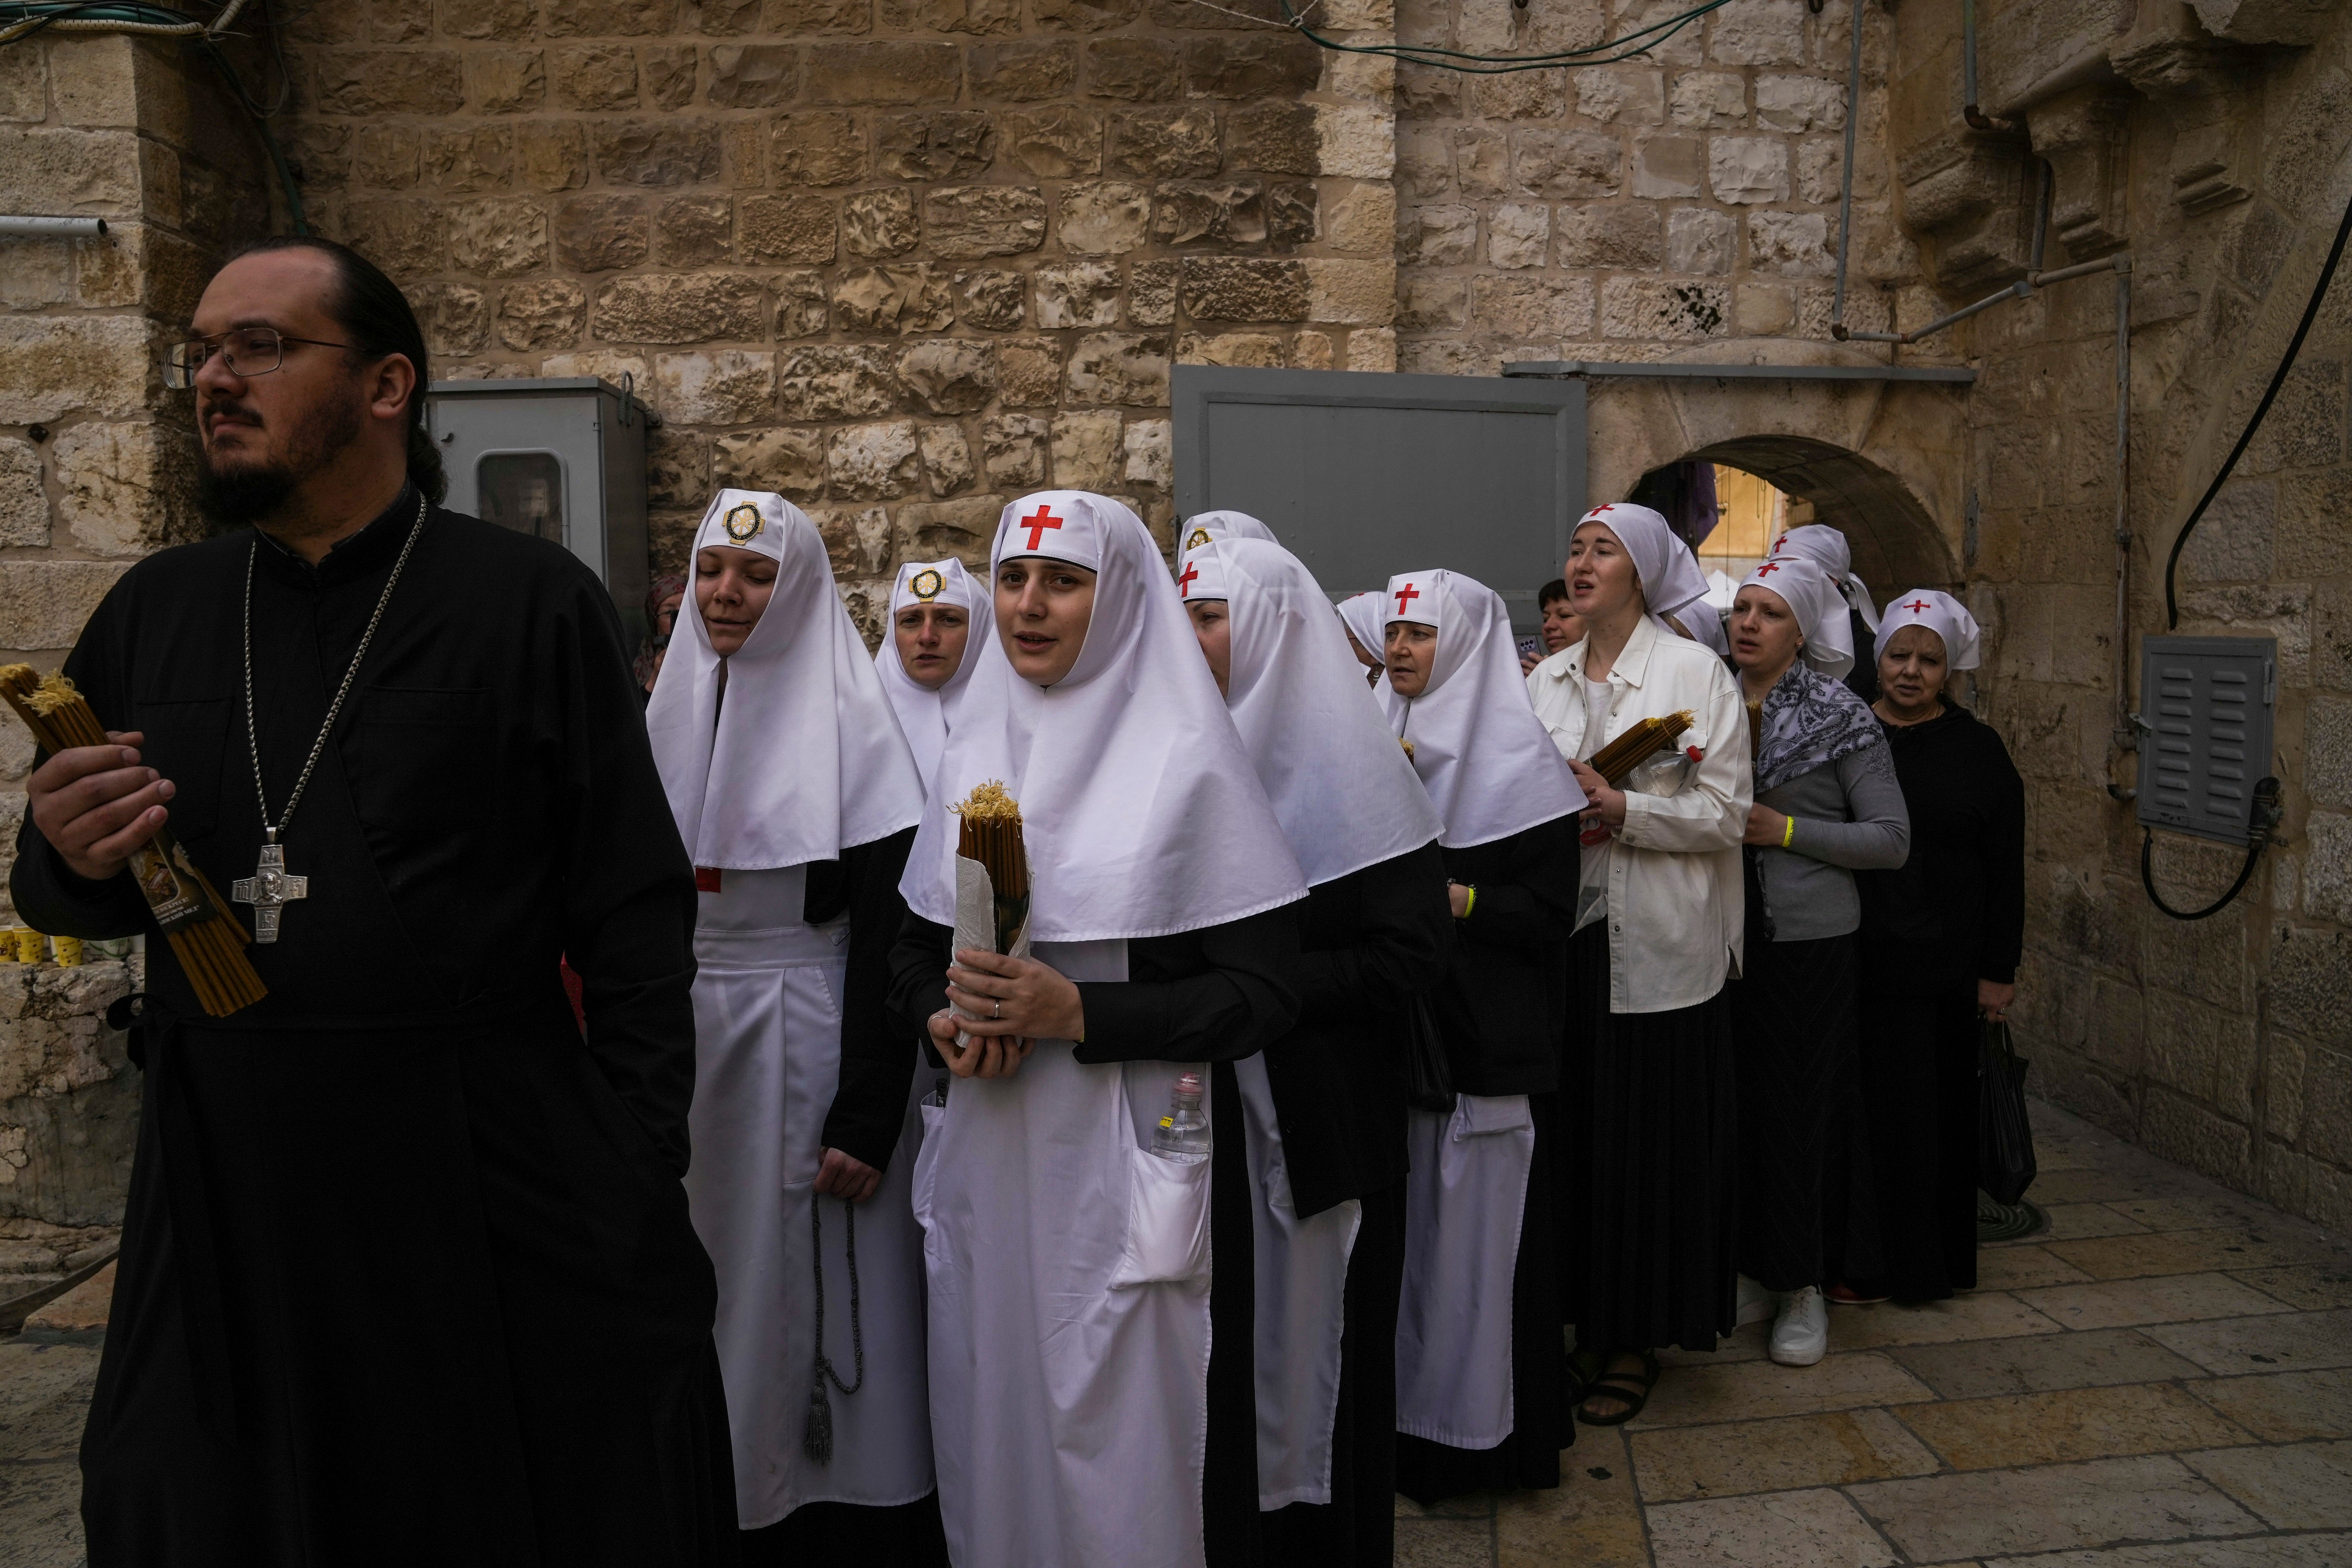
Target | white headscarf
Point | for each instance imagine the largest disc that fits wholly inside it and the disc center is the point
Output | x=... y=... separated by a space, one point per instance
x=1489 y=765
x=1361 y=612
x=1141 y=813
x=1339 y=783
x=923 y=715
x=803 y=760
x=1671 y=579
x=1940 y=614
x=1203 y=526
x=1826 y=548
x=1818 y=605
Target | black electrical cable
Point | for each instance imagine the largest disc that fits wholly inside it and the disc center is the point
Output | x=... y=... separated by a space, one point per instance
x=2278 y=379
x=1500 y=65
x=2263 y=814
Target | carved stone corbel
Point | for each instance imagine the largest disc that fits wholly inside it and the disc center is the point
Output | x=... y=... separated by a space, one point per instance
x=2080 y=132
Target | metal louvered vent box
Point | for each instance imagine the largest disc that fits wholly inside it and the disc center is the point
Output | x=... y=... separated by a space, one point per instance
x=2206 y=708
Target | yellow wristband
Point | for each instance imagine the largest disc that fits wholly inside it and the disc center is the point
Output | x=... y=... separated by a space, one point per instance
x=1788 y=831
x=1469 y=900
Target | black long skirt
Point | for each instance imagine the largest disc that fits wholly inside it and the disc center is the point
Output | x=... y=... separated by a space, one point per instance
x=1794 y=1011
x=1911 y=1232
x=1358 y=1527
x=909 y=1533
x=1544 y=1419
x=1648 y=1188
x=1229 y=1510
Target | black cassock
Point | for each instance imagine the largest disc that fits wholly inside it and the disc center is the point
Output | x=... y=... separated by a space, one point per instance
x=406 y=1272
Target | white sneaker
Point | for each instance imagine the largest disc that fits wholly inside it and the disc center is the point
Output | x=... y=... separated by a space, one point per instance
x=1801 y=1334
x=1755 y=1303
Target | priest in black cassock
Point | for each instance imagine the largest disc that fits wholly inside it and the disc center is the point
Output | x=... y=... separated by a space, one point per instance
x=407 y=1275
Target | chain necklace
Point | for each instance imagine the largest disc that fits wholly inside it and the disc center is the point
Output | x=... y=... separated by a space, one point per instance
x=271 y=886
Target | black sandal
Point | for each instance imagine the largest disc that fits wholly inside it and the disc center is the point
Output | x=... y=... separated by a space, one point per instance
x=1631 y=1388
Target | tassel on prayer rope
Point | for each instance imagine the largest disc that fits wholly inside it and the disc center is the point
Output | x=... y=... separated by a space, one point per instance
x=1645 y=739
x=209 y=943
x=990 y=833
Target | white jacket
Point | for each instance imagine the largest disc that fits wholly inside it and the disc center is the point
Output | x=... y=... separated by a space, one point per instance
x=1676 y=909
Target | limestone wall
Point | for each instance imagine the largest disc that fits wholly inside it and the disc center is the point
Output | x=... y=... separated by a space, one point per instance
x=898 y=260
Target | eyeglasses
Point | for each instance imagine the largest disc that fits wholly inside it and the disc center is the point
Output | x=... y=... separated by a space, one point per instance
x=249 y=351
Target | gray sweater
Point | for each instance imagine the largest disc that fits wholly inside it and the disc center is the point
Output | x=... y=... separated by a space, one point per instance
x=1850 y=818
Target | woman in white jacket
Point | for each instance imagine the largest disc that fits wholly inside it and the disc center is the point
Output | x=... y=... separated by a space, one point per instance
x=1648 y=1197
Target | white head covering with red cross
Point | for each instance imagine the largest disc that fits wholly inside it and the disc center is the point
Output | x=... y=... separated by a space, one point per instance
x=1940 y=614
x=1827 y=548
x=803 y=758
x=1141 y=811
x=1671 y=579
x=923 y=712
x=1486 y=759
x=1820 y=609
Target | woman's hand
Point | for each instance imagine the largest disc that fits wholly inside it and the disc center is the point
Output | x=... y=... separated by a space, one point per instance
x=1993 y=999
x=981 y=1058
x=843 y=1176
x=1457 y=899
x=1765 y=827
x=1018 y=996
x=1608 y=805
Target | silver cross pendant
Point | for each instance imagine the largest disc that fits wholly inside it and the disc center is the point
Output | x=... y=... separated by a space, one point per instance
x=270 y=889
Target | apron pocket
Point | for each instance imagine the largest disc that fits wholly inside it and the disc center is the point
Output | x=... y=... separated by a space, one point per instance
x=1477 y=1115
x=1167 y=1220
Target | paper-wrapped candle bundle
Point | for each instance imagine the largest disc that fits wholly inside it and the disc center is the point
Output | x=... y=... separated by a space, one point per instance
x=208 y=942
x=1642 y=740
x=992 y=874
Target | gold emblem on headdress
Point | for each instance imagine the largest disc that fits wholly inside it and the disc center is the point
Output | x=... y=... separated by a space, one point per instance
x=1197 y=537
x=743 y=522
x=927 y=585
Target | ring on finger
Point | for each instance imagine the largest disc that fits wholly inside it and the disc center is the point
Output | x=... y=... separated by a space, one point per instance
x=1000 y=1008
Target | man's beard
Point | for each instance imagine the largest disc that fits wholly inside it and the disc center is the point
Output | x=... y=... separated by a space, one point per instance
x=253 y=491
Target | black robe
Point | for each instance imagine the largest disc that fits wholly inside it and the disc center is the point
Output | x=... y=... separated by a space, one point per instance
x=1216 y=994
x=1502 y=1010
x=1369 y=942
x=1952 y=914
x=406 y=1271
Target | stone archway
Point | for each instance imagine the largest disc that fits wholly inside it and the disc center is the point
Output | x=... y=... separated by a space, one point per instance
x=1884 y=462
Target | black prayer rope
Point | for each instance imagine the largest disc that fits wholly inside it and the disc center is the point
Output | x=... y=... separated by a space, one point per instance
x=816 y=1437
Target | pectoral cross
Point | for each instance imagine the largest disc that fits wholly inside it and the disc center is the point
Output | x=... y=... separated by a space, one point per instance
x=270 y=889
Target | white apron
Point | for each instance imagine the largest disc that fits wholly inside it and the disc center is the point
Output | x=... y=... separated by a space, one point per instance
x=1300 y=1291
x=1069 y=1313
x=1463 y=1201
x=767 y=1026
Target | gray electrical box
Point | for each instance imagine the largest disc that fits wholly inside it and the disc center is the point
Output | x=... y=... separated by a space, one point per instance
x=563 y=459
x=2205 y=737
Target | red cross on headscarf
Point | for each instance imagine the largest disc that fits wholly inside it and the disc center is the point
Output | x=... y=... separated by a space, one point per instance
x=1038 y=524
x=1767 y=568
x=1184 y=584
x=1916 y=606
x=1781 y=545
x=1406 y=595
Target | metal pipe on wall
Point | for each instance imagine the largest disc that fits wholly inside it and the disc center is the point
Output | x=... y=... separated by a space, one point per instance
x=53 y=227
x=2124 y=738
x=1845 y=169
x=1976 y=118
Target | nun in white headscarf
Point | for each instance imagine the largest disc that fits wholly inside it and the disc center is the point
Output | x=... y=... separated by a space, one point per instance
x=926 y=653
x=1938 y=948
x=1325 y=1106
x=1826 y=548
x=1367 y=628
x=1650 y=1087
x=1078 y=1415
x=1202 y=527
x=1827 y=805
x=798 y=799
x=1478 y=1343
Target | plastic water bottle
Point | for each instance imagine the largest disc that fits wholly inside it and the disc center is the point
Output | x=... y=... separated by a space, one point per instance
x=1182 y=1134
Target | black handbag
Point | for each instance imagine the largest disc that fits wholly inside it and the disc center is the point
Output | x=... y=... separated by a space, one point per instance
x=2005 y=1166
x=1428 y=1076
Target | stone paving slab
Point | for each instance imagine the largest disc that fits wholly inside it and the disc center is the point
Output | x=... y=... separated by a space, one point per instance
x=2286 y=1406
x=2070 y=1423
x=2185 y=1252
x=1754 y=1390
x=2161 y=1298
x=2298 y=1342
x=1981 y=1315
x=1679 y=1464
x=2017 y=1264
x=2262 y=1552
x=2103 y=1502
x=2308 y=1487
x=1779 y=1529
x=2080 y=1222
x=2313 y=1288
x=2038 y=1365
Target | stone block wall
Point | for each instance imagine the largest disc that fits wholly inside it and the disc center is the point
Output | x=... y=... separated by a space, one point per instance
x=68 y=1098
x=95 y=455
x=899 y=260
x=1629 y=210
